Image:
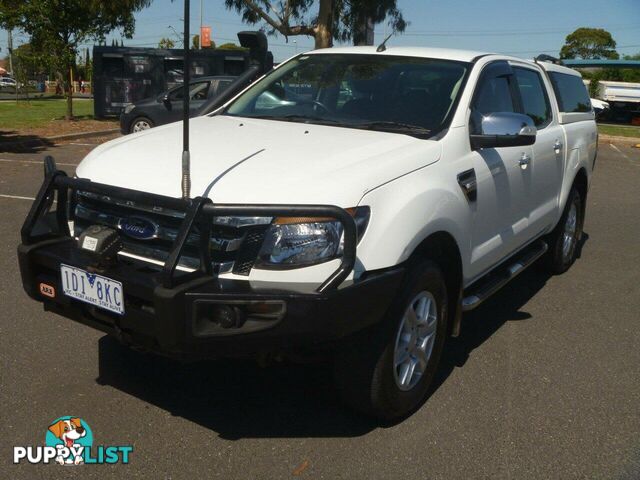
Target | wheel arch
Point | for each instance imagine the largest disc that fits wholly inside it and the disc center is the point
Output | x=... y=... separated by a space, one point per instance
x=581 y=183
x=442 y=248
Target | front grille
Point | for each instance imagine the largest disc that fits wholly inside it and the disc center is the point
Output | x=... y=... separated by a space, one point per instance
x=250 y=249
x=233 y=246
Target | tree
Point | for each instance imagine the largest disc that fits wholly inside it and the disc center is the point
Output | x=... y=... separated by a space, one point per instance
x=589 y=43
x=58 y=27
x=631 y=74
x=166 y=43
x=359 y=12
x=26 y=65
x=612 y=74
x=88 y=65
x=28 y=61
x=623 y=74
x=334 y=20
x=196 y=43
x=84 y=67
x=230 y=46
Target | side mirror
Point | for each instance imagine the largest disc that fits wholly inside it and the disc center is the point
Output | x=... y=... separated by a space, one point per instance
x=165 y=100
x=503 y=129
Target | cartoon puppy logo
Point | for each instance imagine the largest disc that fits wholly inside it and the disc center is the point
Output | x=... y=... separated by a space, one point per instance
x=69 y=431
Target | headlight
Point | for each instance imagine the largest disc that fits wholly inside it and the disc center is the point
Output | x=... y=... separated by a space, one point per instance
x=300 y=242
x=129 y=108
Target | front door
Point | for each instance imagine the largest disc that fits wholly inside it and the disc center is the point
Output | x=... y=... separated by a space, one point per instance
x=500 y=208
x=198 y=92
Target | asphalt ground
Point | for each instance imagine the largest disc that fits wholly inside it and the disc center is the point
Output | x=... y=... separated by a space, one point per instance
x=544 y=382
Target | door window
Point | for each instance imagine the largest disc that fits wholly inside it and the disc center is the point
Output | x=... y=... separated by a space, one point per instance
x=535 y=101
x=198 y=91
x=493 y=95
x=571 y=92
x=222 y=85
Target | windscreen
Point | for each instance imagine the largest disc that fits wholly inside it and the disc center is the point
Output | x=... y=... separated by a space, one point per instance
x=378 y=92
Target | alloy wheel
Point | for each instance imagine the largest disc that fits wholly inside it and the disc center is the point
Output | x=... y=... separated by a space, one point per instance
x=415 y=340
x=140 y=125
x=569 y=237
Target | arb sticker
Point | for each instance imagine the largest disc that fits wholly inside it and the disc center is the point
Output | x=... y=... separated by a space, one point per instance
x=47 y=290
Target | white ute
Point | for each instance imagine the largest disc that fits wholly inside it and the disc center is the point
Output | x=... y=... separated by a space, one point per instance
x=457 y=169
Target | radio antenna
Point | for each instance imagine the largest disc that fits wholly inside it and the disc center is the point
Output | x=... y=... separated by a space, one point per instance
x=186 y=158
x=383 y=46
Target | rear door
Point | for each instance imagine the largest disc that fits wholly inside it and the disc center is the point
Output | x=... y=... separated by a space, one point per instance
x=500 y=217
x=543 y=177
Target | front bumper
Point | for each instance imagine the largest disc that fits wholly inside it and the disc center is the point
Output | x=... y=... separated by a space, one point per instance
x=166 y=320
x=167 y=310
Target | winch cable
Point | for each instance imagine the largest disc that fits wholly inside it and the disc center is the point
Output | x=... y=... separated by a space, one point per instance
x=186 y=157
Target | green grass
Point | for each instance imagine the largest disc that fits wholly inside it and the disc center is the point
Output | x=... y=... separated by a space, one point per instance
x=620 y=131
x=38 y=113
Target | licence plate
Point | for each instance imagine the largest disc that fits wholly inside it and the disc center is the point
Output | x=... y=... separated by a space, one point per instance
x=92 y=288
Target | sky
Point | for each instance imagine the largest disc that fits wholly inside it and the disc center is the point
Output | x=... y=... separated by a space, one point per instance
x=519 y=28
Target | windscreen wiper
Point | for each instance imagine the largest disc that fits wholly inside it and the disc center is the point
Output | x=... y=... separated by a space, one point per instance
x=295 y=117
x=396 y=127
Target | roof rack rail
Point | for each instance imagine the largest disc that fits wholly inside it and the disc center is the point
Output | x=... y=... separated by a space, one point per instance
x=543 y=57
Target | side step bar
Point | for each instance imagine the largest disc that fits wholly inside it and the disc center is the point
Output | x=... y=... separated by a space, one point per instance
x=495 y=280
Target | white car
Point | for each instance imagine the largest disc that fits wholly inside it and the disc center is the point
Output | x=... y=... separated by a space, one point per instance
x=623 y=97
x=600 y=107
x=8 y=82
x=361 y=216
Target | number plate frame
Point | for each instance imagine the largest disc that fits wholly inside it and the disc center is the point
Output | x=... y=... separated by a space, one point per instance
x=92 y=288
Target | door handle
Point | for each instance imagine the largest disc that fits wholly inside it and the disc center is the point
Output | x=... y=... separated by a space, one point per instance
x=524 y=161
x=557 y=146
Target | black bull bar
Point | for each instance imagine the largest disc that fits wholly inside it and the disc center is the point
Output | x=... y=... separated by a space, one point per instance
x=198 y=211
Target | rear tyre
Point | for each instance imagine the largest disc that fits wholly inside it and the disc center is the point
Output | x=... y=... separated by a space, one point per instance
x=565 y=239
x=386 y=372
x=140 y=123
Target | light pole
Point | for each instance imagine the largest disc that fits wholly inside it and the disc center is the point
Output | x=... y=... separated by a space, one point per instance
x=200 y=35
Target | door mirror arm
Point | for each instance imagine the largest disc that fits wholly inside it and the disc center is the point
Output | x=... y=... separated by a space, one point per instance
x=165 y=100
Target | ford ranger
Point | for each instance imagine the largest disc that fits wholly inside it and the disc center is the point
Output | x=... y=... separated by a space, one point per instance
x=352 y=200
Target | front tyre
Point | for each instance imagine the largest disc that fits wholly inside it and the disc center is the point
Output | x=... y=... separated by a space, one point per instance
x=387 y=373
x=140 y=124
x=565 y=239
